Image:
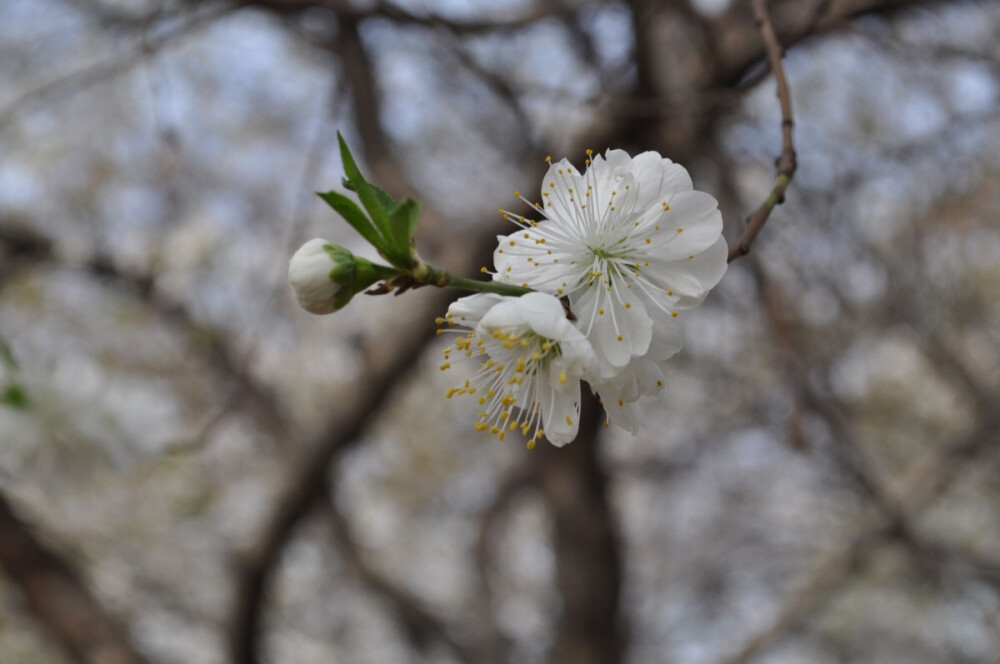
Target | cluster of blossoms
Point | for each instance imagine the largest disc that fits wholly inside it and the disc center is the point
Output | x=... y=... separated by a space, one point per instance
x=590 y=292
x=622 y=247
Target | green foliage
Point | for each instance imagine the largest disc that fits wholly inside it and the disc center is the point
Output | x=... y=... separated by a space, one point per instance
x=389 y=226
x=15 y=396
x=13 y=393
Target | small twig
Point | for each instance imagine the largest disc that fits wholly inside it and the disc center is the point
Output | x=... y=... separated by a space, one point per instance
x=786 y=163
x=422 y=626
x=92 y=75
x=58 y=596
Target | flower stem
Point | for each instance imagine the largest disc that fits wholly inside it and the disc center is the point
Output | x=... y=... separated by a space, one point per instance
x=451 y=281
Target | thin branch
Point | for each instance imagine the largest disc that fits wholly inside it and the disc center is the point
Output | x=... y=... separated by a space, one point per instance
x=92 y=75
x=786 y=163
x=385 y=10
x=587 y=547
x=496 y=645
x=916 y=492
x=28 y=248
x=58 y=596
x=422 y=626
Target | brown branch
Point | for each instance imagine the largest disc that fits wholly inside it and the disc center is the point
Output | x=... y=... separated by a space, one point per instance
x=916 y=492
x=59 y=598
x=786 y=163
x=349 y=11
x=102 y=71
x=422 y=626
x=495 y=644
x=890 y=514
x=307 y=481
x=27 y=248
x=586 y=544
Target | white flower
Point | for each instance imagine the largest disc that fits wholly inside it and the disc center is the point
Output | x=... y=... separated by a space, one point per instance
x=310 y=273
x=631 y=243
x=536 y=358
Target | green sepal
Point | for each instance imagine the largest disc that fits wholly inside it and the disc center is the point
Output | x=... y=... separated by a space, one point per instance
x=354 y=274
x=353 y=215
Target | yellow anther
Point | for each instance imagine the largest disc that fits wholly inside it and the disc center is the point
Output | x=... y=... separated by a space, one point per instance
x=562 y=376
x=530 y=444
x=569 y=421
x=628 y=305
x=621 y=403
x=620 y=337
x=659 y=383
x=680 y=230
x=647 y=241
x=484 y=270
x=674 y=314
x=446 y=365
x=600 y=311
x=517 y=194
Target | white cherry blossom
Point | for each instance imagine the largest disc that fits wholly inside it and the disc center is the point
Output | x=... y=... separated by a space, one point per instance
x=531 y=361
x=630 y=243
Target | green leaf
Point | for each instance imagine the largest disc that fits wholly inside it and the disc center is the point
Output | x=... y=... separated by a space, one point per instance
x=404 y=220
x=15 y=396
x=388 y=202
x=7 y=357
x=369 y=199
x=353 y=215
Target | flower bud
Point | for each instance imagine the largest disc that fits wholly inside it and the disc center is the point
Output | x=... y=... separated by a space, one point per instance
x=318 y=272
x=326 y=276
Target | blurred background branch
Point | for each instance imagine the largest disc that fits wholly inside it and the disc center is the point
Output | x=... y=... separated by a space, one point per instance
x=226 y=479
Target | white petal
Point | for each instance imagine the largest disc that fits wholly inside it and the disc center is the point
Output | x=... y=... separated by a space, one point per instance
x=560 y=178
x=619 y=333
x=697 y=214
x=309 y=274
x=668 y=338
x=658 y=179
x=640 y=378
x=561 y=414
x=627 y=416
x=470 y=310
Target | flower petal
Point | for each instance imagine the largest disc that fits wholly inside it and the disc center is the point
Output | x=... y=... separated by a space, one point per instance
x=561 y=414
x=696 y=215
x=690 y=279
x=470 y=310
x=616 y=331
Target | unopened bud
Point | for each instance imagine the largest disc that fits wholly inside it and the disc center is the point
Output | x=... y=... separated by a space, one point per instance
x=326 y=276
x=317 y=273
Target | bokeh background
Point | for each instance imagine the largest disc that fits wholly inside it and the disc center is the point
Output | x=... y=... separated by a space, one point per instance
x=195 y=471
